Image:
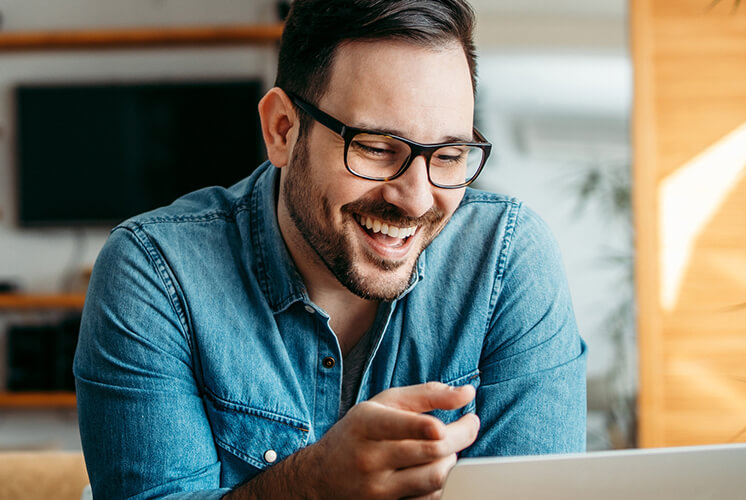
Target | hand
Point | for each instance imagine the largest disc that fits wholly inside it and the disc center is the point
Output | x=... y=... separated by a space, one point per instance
x=384 y=448
x=387 y=447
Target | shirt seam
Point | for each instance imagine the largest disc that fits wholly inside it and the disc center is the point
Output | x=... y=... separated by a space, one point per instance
x=510 y=229
x=242 y=455
x=256 y=412
x=228 y=215
x=575 y=358
x=474 y=196
x=466 y=377
x=161 y=269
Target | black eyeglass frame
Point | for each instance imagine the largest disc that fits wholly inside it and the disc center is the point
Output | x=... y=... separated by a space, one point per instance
x=416 y=148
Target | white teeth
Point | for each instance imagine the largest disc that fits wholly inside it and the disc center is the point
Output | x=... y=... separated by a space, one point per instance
x=377 y=226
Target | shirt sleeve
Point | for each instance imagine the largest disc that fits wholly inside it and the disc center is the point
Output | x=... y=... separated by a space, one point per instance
x=144 y=429
x=532 y=393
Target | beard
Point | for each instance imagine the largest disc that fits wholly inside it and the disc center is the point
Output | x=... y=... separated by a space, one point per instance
x=312 y=214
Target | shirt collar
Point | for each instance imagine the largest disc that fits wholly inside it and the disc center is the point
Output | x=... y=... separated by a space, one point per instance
x=278 y=277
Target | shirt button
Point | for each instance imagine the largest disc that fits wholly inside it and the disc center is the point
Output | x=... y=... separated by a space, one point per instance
x=328 y=362
x=270 y=456
x=310 y=309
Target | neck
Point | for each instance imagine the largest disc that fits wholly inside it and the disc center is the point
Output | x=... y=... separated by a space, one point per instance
x=350 y=316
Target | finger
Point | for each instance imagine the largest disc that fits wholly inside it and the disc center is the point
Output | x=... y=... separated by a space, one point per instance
x=383 y=423
x=426 y=397
x=410 y=453
x=422 y=480
x=463 y=432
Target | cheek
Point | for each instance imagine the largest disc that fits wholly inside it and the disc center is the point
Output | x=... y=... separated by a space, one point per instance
x=331 y=181
x=448 y=200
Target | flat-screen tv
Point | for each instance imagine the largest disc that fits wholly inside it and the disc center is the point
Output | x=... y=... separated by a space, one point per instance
x=96 y=154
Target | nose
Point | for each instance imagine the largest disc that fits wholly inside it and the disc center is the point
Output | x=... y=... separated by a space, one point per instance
x=412 y=191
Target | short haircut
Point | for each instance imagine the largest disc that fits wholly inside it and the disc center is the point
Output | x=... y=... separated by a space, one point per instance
x=315 y=28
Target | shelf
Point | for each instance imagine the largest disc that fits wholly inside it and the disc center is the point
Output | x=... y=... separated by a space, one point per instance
x=37 y=400
x=34 y=302
x=21 y=301
x=123 y=38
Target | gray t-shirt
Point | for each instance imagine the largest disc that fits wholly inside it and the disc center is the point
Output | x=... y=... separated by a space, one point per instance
x=353 y=365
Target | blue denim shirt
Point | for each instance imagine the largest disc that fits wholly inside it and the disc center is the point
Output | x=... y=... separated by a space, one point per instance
x=200 y=349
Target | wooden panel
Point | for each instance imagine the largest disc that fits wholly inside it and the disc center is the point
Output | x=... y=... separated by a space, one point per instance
x=690 y=96
x=703 y=427
x=699 y=61
x=140 y=37
x=645 y=204
x=42 y=400
x=19 y=301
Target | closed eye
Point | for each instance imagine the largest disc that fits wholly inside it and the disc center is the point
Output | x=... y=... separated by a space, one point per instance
x=449 y=156
x=372 y=150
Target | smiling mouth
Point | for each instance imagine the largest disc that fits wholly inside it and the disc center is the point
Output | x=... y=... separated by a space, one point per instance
x=384 y=232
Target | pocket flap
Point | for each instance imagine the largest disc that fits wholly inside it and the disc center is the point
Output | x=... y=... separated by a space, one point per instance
x=259 y=437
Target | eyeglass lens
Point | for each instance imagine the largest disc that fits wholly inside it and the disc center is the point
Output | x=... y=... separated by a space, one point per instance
x=381 y=156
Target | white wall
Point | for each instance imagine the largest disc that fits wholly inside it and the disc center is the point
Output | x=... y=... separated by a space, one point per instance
x=47 y=15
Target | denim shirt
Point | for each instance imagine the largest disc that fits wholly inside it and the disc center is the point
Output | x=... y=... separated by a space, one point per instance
x=202 y=360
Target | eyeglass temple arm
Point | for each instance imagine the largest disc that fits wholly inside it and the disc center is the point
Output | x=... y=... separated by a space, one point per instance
x=479 y=137
x=486 y=145
x=328 y=121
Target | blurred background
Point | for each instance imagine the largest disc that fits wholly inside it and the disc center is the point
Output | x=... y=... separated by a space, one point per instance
x=85 y=106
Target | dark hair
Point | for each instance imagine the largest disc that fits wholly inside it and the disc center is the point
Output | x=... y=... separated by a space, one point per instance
x=315 y=28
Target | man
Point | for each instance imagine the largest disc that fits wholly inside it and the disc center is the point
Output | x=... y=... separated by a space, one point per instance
x=350 y=317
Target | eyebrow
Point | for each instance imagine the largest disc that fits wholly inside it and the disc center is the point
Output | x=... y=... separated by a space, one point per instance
x=385 y=131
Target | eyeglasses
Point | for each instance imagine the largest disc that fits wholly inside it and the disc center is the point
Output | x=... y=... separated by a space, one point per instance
x=378 y=156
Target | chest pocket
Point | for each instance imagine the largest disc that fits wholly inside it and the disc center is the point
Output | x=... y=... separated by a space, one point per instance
x=258 y=437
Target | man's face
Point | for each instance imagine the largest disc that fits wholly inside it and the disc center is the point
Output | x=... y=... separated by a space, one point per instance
x=335 y=222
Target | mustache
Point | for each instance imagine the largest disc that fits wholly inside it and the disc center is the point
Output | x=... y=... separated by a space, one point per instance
x=393 y=214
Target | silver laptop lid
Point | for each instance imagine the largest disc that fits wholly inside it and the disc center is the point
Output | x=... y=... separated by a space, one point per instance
x=715 y=472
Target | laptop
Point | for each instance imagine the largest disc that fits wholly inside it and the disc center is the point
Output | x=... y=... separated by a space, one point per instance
x=716 y=472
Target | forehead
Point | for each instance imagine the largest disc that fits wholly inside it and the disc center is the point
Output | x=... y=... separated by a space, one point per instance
x=425 y=93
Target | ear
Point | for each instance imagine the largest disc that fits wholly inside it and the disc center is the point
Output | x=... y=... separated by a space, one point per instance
x=279 y=125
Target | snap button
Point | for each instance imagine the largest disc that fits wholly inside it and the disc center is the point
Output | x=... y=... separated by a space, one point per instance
x=270 y=456
x=328 y=362
x=310 y=309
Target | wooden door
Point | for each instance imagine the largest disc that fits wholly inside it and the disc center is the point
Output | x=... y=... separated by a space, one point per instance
x=689 y=140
